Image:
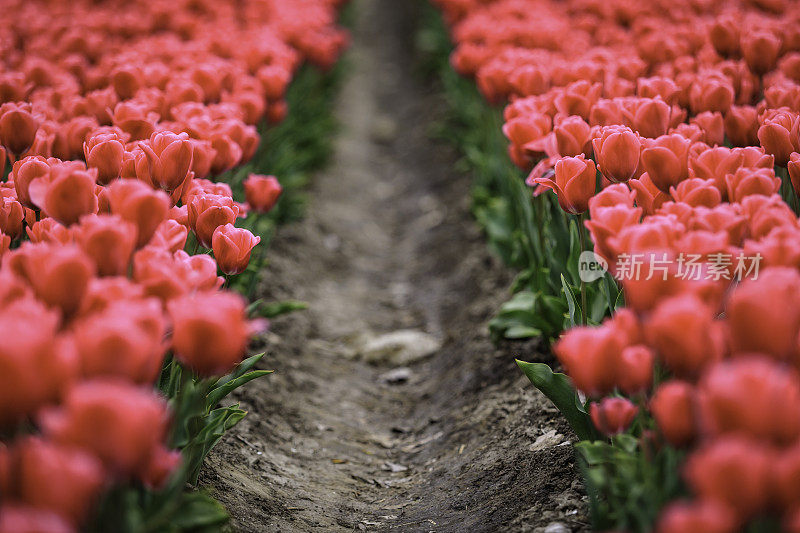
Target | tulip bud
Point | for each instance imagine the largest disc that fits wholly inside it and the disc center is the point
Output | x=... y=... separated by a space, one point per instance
x=750 y=396
x=105 y=152
x=666 y=161
x=134 y=427
x=673 y=408
x=683 y=332
x=165 y=160
x=24 y=172
x=208 y=212
x=613 y=415
x=66 y=192
x=139 y=204
x=575 y=183
x=262 y=192
x=617 y=152
x=17 y=127
x=762 y=315
x=58 y=479
x=732 y=471
x=108 y=240
x=760 y=51
x=17 y=517
x=232 y=248
x=750 y=181
x=210 y=332
x=572 y=136
x=741 y=125
x=701 y=516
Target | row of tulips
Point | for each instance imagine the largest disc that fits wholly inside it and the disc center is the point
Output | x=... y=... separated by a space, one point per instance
x=117 y=249
x=671 y=132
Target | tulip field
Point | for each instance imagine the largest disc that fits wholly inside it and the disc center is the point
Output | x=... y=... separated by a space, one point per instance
x=632 y=338
x=662 y=137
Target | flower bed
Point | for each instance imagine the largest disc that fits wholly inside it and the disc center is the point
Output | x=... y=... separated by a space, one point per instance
x=669 y=132
x=119 y=245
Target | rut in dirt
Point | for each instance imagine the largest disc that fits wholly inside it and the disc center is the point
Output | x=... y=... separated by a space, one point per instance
x=390 y=409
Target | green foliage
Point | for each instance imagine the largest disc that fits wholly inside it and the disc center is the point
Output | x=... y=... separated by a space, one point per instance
x=559 y=390
x=628 y=482
x=531 y=234
x=171 y=510
x=275 y=309
x=527 y=314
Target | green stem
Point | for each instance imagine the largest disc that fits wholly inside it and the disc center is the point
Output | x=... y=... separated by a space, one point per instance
x=582 y=237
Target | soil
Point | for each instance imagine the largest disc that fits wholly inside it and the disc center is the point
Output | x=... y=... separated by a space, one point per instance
x=432 y=428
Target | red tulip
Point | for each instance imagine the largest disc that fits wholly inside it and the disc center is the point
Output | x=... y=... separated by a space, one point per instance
x=702 y=516
x=58 y=479
x=262 y=192
x=208 y=212
x=16 y=518
x=590 y=356
x=673 y=407
x=574 y=183
x=232 y=247
x=139 y=204
x=651 y=117
x=58 y=274
x=122 y=424
x=165 y=161
x=572 y=135
x=684 y=334
x=666 y=161
x=617 y=152
x=741 y=125
x=724 y=35
x=753 y=397
x=170 y=235
x=613 y=415
x=749 y=181
x=696 y=192
x=11 y=217
x=105 y=152
x=108 y=240
x=775 y=135
x=636 y=369
x=734 y=472
x=132 y=331
x=66 y=193
x=36 y=366
x=794 y=171
x=17 y=127
x=24 y=172
x=49 y=231
x=760 y=51
x=762 y=315
x=210 y=332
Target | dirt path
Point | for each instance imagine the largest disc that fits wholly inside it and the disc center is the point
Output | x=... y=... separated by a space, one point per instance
x=429 y=429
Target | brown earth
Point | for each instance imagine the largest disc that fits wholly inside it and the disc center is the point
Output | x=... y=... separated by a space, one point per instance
x=430 y=429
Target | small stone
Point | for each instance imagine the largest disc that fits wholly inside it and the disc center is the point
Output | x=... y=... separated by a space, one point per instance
x=556 y=527
x=398 y=375
x=399 y=348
